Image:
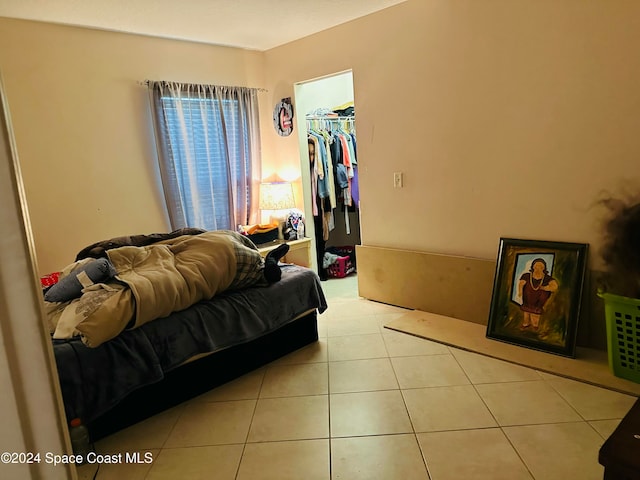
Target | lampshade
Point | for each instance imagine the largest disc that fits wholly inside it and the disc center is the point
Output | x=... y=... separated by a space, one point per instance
x=276 y=196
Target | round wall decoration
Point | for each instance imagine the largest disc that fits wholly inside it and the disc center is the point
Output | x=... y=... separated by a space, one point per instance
x=283 y=117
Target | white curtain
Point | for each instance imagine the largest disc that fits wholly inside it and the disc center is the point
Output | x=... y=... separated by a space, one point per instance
x=208 y=143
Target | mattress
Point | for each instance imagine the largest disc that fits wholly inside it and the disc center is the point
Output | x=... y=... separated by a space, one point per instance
x=93 y=380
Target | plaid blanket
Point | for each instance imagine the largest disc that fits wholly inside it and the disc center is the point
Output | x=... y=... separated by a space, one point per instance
x=250 y=264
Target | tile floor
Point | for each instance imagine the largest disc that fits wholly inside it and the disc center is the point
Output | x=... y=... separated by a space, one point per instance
x=368 y=403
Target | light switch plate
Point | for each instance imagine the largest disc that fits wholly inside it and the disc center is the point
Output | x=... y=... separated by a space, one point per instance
x=398 y=180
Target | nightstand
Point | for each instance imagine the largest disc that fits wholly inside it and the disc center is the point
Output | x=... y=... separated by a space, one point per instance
x=299 y=251
x=619 y=453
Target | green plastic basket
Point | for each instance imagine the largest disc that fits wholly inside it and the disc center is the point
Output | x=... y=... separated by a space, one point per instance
x=623 y=335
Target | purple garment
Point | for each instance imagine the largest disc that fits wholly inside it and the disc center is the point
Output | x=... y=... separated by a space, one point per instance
x=355 y=190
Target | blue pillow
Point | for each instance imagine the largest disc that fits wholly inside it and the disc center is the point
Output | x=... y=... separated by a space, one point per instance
x=70 y=287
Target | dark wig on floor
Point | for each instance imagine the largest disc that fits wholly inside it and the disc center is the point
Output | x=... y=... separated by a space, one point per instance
x=620 y=250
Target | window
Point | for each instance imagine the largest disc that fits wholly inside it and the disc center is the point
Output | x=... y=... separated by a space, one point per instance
x=207 y=148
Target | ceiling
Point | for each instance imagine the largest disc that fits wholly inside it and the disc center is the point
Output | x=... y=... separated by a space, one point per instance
x=251 y=24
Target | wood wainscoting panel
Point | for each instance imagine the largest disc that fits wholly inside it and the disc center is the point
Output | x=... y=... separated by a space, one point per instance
x=458 y=287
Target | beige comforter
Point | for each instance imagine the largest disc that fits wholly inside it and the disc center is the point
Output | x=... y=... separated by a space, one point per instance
x=158 y=279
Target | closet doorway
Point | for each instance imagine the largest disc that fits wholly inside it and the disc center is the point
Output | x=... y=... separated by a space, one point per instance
x=325 y=109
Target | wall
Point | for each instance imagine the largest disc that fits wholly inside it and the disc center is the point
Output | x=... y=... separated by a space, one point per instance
x=83 y=127
x=508 y=118
x=328 y=92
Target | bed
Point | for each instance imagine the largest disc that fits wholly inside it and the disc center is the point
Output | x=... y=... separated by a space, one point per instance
x=145 y=370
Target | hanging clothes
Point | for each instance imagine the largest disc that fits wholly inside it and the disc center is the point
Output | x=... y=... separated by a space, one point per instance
x=334 y=174
x=340 y=148
x=321 y=206
x=323 y=159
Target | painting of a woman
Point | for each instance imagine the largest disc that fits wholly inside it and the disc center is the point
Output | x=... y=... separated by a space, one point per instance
x=535 y=287
x=537 y=294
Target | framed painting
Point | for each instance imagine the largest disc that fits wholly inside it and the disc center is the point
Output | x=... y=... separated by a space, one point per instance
x=537 y=292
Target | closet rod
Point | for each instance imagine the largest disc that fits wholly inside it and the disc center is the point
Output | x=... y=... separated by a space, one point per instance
x=337 y=117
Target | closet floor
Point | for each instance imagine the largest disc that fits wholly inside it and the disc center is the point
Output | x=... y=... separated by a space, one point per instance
x=366 y=402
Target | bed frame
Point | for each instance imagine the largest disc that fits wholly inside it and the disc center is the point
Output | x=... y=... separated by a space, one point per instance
x=197 y=377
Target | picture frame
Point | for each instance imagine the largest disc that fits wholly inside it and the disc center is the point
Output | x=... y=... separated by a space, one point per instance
x=537 y=293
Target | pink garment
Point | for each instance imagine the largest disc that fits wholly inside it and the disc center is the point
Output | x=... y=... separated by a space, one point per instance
x=346 y=160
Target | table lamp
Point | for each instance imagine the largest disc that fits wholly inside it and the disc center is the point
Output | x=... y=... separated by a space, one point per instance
x=277 y=197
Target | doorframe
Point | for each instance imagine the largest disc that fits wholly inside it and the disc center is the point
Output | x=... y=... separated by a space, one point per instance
x=301 y=125
x=34 y=418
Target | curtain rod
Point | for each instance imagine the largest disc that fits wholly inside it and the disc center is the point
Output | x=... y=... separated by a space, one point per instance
x=145 y=83
x=327 y=117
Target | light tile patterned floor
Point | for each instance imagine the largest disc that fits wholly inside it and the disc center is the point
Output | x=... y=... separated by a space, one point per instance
x=369 y=403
